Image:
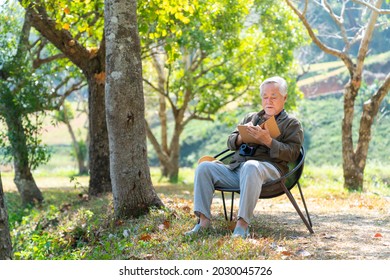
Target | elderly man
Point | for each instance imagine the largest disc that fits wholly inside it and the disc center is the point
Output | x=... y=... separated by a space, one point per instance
x=253 y=164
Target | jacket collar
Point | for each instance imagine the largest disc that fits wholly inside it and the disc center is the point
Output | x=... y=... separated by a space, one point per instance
x=282 y=115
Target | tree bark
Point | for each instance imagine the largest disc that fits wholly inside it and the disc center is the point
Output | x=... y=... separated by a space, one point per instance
x=93 y=67
x=99 y=158
x=23 y=178
x=131 y=183
x=5 y=238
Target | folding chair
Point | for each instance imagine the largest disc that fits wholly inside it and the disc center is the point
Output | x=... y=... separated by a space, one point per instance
x=274 y=188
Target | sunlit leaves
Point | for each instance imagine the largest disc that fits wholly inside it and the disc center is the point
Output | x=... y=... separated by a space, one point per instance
x=83 y=19
x=221 y=53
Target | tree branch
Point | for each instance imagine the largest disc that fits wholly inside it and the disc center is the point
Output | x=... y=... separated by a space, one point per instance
x=367 y=38
x=40 y=61
x=373 y=8
x=343 y=56
x=339 y=20
x=62 y=39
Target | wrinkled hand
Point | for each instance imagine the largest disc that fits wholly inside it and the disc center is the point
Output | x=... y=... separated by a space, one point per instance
x=261 y=135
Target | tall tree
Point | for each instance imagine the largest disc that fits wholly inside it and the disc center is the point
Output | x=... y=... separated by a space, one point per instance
x=24 y=96
x=5 y=238
x=76 y=29
x=16 y=88
x=66 y=115
x=200 y=56
x=131 y=183
x=350 y=33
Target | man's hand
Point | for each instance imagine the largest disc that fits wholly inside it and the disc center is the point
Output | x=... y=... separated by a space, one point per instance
x=239 y=138
x=261 y=135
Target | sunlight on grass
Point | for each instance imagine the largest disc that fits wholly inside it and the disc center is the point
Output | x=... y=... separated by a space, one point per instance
x=72 y=225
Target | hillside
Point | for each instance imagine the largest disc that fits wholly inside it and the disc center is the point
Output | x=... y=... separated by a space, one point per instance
x=330 y=77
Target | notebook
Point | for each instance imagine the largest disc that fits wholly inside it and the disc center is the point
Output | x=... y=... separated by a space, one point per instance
x=270 y=124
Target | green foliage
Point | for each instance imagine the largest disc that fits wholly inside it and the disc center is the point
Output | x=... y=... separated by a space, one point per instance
x=84 y=19
x=22 y=93
x=215 y=50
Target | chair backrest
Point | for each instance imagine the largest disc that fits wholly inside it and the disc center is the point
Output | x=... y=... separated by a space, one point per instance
x=274 y=188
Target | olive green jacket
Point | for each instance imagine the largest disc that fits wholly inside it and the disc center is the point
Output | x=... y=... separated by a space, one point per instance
x=284 y=149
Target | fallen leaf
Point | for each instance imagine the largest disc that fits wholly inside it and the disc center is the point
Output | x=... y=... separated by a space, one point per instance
x=145 y=237
x=287 y=253
x=167 y=224
x=232 y=225
x=65 y=207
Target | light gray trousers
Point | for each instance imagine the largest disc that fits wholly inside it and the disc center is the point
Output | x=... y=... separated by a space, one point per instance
x=249 y=176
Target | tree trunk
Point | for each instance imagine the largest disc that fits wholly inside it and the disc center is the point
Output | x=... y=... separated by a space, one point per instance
x=353 y=177
x=79 y=156
x=23 y=179
x=99 y=158
x=93 y=66
x=131 y=183
x=168 y=155
x=5 y=238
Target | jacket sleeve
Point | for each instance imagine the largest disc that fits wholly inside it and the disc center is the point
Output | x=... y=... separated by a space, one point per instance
x=289 y=147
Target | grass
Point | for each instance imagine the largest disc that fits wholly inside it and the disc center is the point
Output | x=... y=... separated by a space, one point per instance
x=71 y=225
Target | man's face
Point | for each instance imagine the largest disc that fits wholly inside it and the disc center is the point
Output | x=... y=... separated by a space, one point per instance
x=272 y=101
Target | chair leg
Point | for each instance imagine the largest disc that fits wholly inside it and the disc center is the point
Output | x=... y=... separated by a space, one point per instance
x=304 y=204
x=294 y=203
x=224 y=205
x=231 y=207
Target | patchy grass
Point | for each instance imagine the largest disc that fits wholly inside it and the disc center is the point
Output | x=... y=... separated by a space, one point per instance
x=71 y=225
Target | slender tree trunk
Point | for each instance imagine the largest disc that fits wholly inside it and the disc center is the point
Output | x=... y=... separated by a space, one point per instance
x=353 y=177
x=23 y=179
x=168 y=154
x=131 y=183
x=5 y=238
x=79 y=156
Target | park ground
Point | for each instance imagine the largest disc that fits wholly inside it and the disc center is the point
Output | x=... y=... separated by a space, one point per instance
x=347 y=225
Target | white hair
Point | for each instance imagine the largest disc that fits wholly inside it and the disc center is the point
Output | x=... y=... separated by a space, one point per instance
x=282 y=84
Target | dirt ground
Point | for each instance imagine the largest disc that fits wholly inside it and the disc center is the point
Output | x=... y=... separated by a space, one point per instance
x=356 y=228
x=346 y=227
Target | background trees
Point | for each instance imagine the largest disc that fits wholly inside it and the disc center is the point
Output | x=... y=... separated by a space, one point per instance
x=200 y=56
x=131 y=183
x=76 y=29
x=27 y=89
x=344 y=29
